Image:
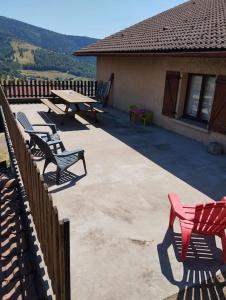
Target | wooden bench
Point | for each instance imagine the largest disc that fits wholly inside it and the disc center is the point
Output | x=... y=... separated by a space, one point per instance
x=92 y=110
x=97 y=110
x=59 y=111
x=54 y=108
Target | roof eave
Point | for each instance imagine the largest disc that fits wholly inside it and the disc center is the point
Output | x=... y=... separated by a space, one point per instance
x=206 y=53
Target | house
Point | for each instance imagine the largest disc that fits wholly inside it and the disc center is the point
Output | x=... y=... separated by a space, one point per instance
x=173 y=64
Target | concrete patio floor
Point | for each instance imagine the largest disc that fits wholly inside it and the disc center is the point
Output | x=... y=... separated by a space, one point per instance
x=120 y=246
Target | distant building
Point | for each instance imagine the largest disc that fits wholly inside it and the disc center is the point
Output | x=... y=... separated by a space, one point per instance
x=173 y=64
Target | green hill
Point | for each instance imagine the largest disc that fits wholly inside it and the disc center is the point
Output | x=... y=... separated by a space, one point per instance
x=27 y=47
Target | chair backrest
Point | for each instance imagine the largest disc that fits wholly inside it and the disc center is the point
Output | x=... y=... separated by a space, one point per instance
x=103 y=90
x=99 y=89
x=210 y=218
x=44 y=147
x=22 y=118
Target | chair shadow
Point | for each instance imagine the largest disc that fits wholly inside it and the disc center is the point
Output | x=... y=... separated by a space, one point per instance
x=38 y=155
x=70 y=124
x=67 y=180
x=201 y=277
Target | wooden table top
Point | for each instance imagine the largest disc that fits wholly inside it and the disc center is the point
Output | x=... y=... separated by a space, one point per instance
x=71 y=96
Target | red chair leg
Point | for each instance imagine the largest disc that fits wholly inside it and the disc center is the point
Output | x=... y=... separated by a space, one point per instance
x=172 y=217
x=223 y=240
x=185 y=236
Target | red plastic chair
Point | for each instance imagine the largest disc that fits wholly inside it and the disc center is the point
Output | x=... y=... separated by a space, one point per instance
x=206 y=219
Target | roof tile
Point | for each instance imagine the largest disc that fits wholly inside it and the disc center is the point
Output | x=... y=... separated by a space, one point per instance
x=197 y=25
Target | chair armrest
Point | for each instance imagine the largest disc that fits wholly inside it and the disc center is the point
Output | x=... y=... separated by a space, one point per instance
x=223 y=198
x=54 y=142
x=178 y=208
x=40 y=132
x=67 y=153
x=51 y=125
x=37 y=132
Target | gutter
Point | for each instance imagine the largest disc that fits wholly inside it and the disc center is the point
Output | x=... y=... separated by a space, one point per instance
x=209 y=54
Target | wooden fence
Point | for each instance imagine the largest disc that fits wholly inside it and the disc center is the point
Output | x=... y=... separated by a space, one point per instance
x=53 y=234
x=33 y=89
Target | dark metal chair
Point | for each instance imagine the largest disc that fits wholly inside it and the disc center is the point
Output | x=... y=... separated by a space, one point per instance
x=52 y=138
x=62 y=160
x=103 y=89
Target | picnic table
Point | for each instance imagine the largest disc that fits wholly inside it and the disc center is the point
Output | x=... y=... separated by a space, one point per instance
x=75 y=103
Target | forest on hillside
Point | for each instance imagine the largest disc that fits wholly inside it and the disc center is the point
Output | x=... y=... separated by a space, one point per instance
x=48 y=51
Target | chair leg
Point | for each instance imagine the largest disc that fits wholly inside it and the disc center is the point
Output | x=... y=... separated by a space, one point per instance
x=172 y=217
x=84 y=164
x=31 y=143
x=58 y=176
x=62 y=148
x=186 y=236
x=55 y=148
x=45 y=166
x=223 y=241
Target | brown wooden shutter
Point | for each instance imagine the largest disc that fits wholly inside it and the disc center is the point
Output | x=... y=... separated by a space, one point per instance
x=218 y=114
x=170 y=94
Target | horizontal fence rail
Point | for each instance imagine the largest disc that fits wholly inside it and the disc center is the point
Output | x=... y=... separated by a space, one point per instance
x=53 y=234
x=33 y=89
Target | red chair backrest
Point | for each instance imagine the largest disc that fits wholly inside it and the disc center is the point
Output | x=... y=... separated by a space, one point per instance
x=210 y=218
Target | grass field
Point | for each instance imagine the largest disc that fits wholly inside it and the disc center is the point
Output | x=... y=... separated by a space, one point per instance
x=51 y=75
x=23 y=52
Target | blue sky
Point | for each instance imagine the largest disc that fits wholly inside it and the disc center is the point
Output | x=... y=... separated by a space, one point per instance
x=94 y=18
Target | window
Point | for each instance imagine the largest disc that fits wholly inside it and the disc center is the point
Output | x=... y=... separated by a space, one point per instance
x=200 y=94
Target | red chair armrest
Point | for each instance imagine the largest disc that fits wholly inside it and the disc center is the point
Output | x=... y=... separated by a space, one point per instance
x=178 y=208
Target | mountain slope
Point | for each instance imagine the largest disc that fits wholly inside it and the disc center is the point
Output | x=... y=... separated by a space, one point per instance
x=24 y=46
x=42 y=37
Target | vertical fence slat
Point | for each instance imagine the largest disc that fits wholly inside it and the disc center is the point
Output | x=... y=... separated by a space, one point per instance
x=65 y=258
x=57 y=246
x=22 y=89
x=14 y=89
x=18 y=88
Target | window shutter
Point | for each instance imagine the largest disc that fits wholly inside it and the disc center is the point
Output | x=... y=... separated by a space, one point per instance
x=170 y=94
x=218 y=114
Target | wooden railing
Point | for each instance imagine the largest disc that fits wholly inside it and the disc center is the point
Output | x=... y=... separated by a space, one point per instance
x=53 y=234
x=33 y=89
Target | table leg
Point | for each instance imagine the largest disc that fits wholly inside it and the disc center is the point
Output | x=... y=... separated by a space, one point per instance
x=77 y=107
x=67 y=108
x=94 y=112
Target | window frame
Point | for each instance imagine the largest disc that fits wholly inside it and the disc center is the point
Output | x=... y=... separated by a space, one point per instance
x=201 y=98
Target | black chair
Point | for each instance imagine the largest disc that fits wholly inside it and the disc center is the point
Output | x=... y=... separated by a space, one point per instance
x=62 y=160
x=103 y=89
x=52 y=138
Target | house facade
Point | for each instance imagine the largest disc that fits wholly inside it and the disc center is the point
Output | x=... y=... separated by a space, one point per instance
x=173 y=64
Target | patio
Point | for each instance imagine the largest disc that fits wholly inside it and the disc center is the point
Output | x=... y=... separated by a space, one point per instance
x=120 y=246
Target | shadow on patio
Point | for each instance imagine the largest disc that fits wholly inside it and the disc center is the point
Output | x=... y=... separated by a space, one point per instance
x=124 y=198
x=202 y=277
x=181 y=156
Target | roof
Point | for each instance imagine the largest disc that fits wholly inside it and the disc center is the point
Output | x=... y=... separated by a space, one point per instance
x=194 y=26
